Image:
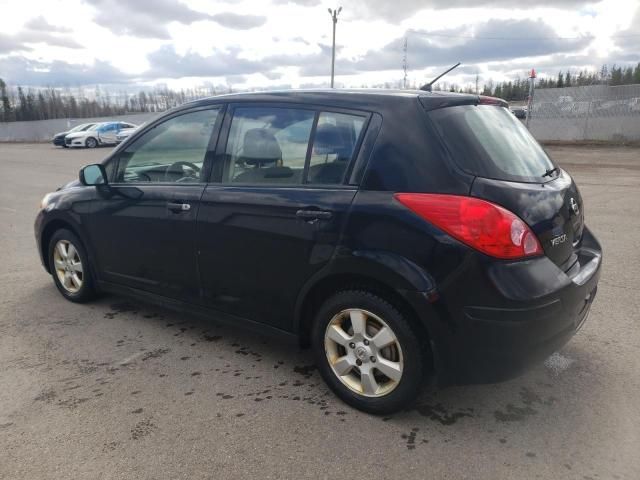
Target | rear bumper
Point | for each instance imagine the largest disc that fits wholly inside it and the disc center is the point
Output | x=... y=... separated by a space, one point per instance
x=506 y=317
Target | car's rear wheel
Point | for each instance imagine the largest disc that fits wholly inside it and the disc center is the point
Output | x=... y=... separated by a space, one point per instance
x=91 y=142
x=69 y=267
x=367 y=352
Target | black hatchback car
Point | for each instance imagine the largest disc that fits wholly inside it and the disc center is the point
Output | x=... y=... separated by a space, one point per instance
x=403 y=235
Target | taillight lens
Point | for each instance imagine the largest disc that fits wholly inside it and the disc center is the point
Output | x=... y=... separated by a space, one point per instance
x=482 y=225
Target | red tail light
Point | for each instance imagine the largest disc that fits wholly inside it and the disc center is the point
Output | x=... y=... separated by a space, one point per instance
x=482 y=225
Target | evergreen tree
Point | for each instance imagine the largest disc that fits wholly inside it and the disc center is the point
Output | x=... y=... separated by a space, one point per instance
x=616 y=75
x=6 y=110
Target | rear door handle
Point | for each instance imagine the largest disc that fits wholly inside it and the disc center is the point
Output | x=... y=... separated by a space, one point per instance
x=178 y=207
x=314 y=214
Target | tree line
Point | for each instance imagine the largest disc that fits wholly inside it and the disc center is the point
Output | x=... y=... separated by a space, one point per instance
x=519 y=88
x=19 y=103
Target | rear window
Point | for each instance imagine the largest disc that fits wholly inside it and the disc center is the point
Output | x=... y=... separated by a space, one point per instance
x=488 y=141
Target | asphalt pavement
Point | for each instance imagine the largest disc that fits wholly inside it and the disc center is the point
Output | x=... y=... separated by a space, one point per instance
x=117 y=389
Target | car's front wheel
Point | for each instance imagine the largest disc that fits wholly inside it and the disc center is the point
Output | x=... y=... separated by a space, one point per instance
x=367 y=352
x=91 y=142
x=69 y=267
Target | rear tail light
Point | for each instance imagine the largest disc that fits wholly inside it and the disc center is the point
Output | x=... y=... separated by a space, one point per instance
x=482 y=225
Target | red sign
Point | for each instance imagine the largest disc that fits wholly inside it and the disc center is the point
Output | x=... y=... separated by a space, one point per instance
x=532 y=74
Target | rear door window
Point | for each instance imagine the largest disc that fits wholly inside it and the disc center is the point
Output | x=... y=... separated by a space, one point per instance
x=334 y=144
x=267 y=145
x=295 y=146
x=488 y=141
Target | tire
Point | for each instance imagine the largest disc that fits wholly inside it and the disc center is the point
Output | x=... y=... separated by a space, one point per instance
x=404 y=359
x=91 y=142
x=70 y=270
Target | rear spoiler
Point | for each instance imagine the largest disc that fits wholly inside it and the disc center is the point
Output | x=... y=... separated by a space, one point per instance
x=436 y=100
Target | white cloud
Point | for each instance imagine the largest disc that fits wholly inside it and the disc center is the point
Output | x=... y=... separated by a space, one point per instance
x=287 y=42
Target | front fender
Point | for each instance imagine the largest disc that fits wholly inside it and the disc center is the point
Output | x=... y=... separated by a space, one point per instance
x=69 y=209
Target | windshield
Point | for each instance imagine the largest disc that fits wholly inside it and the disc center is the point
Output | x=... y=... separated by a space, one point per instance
x=488 y=141
x=80 y=128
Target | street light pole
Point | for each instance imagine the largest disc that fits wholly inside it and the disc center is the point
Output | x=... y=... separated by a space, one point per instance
x=334 y=18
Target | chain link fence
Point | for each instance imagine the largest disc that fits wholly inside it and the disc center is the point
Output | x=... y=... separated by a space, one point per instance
x=589 y=113
x=594 y=112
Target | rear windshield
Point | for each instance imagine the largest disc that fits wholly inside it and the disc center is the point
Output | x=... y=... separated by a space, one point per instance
x=488 y=141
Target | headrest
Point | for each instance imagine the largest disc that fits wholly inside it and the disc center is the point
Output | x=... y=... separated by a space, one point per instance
x=328 y=140
x=260 y=146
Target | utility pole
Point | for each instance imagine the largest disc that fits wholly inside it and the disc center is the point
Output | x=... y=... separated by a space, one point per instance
x=404 y=63
x=532 y=81
x=334 y=17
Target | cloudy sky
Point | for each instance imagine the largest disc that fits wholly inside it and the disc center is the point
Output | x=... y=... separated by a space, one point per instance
x=277 y=43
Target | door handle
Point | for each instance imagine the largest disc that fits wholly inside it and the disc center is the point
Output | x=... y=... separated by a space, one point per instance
x=178 y=207
x=314 y=214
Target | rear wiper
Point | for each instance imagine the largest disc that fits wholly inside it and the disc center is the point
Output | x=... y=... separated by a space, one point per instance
x=550 y=171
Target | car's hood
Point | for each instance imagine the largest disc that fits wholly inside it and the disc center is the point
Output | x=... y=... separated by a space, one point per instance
x=60 y=134
x=71 y=184
x=79 y=134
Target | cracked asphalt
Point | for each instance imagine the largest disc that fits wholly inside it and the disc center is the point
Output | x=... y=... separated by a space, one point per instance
x=119 y=390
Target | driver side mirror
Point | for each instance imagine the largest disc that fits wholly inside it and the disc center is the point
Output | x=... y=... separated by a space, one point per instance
x=93 y=175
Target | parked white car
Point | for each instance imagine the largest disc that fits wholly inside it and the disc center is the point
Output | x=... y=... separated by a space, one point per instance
x=100 y=134
x=126 y=133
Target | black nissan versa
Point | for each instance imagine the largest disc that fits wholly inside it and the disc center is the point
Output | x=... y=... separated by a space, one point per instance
x=403 y=235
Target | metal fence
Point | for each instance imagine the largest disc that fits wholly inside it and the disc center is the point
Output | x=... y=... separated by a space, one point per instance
x=595 y=112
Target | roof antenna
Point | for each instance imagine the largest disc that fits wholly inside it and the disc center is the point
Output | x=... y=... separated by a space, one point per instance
x=427 y=86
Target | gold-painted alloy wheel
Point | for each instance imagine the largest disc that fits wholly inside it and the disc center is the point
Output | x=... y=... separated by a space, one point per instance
x=363 y=352
x=68 y=266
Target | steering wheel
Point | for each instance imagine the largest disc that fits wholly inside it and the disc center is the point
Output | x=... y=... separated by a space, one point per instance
x=178 y=167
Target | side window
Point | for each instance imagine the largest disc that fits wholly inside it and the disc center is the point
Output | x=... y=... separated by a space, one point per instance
x=267 y=145
x=173 y=151
x=334 y=143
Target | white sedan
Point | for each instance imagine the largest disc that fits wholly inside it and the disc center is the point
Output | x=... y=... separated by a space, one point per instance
x=126 y=133
x=100 y=134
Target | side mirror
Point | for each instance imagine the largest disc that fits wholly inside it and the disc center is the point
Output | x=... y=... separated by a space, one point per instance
x=93 y=175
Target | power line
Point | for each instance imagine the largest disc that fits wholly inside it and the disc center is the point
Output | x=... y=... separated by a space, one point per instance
x=472 y=37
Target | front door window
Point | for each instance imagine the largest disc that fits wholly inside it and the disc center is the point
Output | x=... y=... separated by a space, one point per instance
x=173 y=151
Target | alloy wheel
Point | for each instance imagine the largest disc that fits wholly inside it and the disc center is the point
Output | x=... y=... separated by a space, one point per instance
x=68 y=266
x=363 y=352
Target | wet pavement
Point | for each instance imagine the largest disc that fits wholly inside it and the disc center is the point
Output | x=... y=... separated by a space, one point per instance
x=121 y=389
